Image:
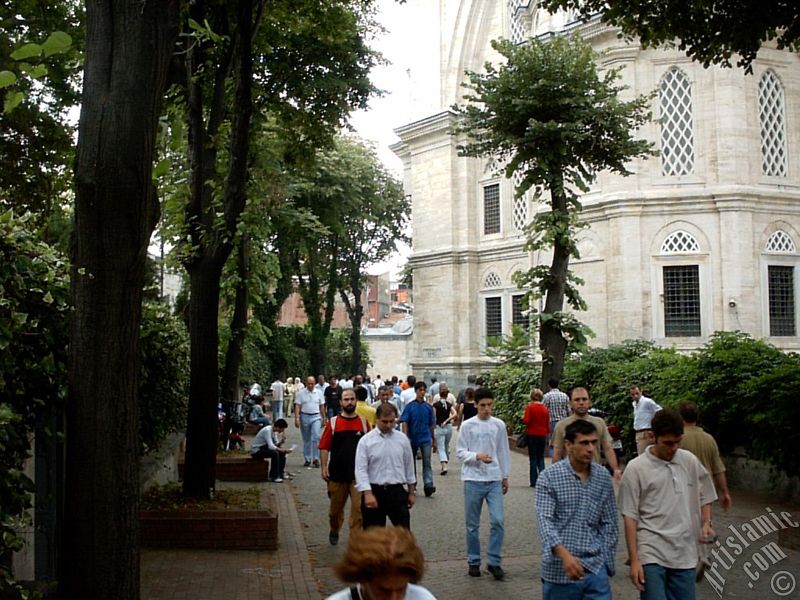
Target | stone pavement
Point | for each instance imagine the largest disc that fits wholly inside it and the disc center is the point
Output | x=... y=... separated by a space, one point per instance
x=302 y=568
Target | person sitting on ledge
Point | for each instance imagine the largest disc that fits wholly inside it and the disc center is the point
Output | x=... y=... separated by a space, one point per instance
x=263 y=446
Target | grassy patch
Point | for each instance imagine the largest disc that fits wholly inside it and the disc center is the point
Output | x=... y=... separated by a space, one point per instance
x=168 y=497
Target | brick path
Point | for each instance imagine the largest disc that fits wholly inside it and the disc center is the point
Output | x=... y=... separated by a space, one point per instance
x=303 y=566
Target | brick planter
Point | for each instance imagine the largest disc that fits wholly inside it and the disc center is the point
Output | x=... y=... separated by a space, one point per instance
x=236 y=468
x=223 y=529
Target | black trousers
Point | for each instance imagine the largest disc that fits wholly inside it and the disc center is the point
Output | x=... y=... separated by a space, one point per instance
x=392 y=503
x=277 y=461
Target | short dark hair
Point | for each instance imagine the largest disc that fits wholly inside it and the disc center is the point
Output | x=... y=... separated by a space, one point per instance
x=382 y=409
x=361 y=393
x=667 y=422
x=433 y=380
x=420 y=385
x=553 y=382
x=578 y=426
x=280 y=423
x=688 y=411
x=482 y=393
x=472 y=378
x=411 y=380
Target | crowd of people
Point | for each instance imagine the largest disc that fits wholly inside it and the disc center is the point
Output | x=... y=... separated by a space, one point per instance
x=366 y=437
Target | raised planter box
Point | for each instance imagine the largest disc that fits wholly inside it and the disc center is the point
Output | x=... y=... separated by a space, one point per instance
x=236 y=468
x=251 y=428
x=222 y=529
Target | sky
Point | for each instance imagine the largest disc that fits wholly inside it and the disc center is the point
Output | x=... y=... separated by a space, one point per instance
x=393 y=108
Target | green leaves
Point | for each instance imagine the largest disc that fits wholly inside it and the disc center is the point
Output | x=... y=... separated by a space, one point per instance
x=7 y=78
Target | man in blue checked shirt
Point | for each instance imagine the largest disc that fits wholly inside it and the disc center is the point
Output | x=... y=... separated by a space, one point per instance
x=577 y=518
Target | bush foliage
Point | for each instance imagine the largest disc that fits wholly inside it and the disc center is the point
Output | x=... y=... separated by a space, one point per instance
x=744 y=388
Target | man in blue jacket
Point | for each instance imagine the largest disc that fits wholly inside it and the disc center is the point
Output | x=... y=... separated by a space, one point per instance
x=418 y=421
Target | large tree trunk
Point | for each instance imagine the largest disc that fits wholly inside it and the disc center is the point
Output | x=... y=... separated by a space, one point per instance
x=551 y=341
x=128 y=48
x=201 y=429
x=233 y=354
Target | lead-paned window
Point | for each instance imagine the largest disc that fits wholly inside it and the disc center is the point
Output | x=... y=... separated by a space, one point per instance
x=491 y=208
x=781 y=301
x=494 y=318
x=682 y=301
x=677 y=124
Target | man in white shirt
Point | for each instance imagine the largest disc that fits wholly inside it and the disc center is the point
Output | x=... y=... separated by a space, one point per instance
x=644 y=409
x=482 y=448
x=278 y=389
x=409 y=394
x=309 y=416
x=264 y=446
x=384 y=463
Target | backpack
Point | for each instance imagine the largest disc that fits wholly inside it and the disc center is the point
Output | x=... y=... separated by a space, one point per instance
x=364 y=426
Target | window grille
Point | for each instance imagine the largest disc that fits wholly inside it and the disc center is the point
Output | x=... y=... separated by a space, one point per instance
x=677 y=127
x=491 y=208
x=494 y=318
x=519 y=214
x=519 y=316
x=682 y=301
x=771 y=113
x=781 y=301
x=516 y=25
x=780 y=242
x=491 y=281
x=680 y=242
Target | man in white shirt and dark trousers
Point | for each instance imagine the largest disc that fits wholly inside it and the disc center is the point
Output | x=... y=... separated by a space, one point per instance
x=644 y=409
x=482 y=448
x=384 y=464
x=264 y=446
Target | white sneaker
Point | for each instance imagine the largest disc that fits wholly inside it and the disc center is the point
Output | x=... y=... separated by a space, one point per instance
x=278 y=480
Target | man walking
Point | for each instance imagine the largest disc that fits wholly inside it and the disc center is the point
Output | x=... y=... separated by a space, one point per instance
x=264 y=446
x=705 y=448
x=337 y=449
x=308 y=416
x=482 y=448
x=418 y=422
x=278 y=389
x=580 y=403
x=665 y=498
x=384 y=464
x=577 y=518
x=333 y=396
x=643 y=411
x=557 y=404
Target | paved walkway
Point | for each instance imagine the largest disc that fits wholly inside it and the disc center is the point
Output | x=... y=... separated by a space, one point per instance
x=302 y=568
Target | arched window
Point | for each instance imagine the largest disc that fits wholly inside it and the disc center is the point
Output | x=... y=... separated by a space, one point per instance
x=492 y=281
x=771 y=114
x=677 y=124
x=780 y=242
x=680 y=242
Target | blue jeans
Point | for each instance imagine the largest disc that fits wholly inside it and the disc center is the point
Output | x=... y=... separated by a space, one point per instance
x=427 y=471
x=310 y=427
x=663 y=583
x=536 y=449
x=591 y=587
x=443 y=437
x=475 y=492
x=277 y=409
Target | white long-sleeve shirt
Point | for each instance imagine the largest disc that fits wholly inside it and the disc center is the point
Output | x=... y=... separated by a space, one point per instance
x=487 y=436
x=383 y=459
x=263 y=438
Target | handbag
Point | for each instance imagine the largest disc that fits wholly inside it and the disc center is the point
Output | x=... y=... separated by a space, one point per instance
x=522 y=439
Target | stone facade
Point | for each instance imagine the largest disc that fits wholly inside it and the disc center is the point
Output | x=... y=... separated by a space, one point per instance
x=691 y=243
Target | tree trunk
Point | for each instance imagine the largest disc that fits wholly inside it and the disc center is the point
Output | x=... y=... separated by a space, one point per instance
x=551 y=341
x=202 y=428
x=233 y=354
x=128 y=48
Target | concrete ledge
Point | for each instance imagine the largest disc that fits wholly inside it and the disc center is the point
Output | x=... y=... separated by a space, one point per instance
x=218 y=529
x=760 y=477
x=236 y=468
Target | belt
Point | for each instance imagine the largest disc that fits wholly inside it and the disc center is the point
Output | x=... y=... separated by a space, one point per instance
x=643 y=430
x=386 y=486
x=310 y=414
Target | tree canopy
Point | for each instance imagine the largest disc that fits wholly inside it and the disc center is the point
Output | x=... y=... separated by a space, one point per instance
x=709 y=32
x=548 y=114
